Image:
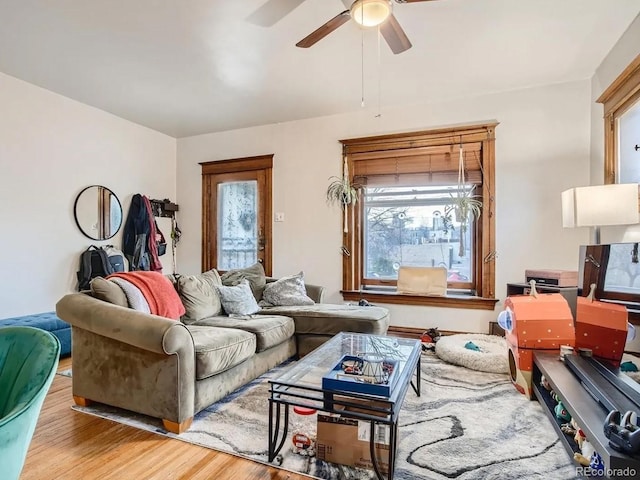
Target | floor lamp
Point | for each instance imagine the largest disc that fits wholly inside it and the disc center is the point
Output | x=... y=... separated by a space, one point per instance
x=600 y=205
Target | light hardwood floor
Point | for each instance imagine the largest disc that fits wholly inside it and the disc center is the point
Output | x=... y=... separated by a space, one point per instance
x=72 y=445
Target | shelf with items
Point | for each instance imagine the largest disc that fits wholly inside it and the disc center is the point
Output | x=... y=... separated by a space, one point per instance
x=584 y=408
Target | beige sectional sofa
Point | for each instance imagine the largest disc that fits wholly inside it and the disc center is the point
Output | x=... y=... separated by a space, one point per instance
x=172 y=370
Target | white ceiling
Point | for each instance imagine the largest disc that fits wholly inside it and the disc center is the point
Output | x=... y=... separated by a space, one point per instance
x=186 y=67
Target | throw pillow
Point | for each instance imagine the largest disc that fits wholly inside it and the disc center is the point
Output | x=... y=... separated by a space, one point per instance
x=239 y=299
x=287 y=291
x=199 y=295
x=254 y=275
x=107 y=291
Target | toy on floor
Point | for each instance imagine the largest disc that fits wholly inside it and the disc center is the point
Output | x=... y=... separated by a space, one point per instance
x=472 y=346
x=303 y=443
x=429 y=339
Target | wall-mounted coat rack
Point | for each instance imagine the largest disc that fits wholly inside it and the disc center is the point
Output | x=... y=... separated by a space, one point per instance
x=164 y=208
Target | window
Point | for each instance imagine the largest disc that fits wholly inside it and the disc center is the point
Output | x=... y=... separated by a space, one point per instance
x=615 y=271
x=415 y=226
x=621 y=102
x=405 y=216
x=622 y=274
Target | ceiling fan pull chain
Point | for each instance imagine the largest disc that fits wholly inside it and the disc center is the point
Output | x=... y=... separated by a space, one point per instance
x=379 y=74
x=362 y=67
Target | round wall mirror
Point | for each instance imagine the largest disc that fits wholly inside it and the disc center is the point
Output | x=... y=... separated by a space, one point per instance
x=98 y=212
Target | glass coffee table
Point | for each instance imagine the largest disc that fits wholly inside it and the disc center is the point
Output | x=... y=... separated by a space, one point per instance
x=301 y=385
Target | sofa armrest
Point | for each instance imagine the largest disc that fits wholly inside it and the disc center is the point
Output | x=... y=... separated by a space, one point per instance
x=141 y=330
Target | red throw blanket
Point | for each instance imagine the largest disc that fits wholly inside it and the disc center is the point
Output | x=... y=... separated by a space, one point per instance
x=162 y=298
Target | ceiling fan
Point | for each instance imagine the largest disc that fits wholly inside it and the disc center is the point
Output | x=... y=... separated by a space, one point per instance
x=367 y=13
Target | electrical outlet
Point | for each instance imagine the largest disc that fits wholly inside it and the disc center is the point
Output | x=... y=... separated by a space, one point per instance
x=279 y=217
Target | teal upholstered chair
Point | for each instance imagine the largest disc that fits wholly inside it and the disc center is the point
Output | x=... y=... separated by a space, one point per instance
x=28 y=362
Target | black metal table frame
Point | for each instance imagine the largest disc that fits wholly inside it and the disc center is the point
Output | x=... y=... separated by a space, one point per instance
x=331 y=401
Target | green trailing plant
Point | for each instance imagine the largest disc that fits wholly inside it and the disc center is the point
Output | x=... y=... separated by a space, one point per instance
x=464 y=204
x=342 y=192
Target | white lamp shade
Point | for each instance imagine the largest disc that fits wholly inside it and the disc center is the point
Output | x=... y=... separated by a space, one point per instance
x=600 y=205
x=569 y=208
x=370 y=13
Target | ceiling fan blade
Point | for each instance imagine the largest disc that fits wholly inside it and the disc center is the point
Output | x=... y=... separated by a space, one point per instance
x=347 y=3
x=394 y=35
x=273 y=11
x=324 y=30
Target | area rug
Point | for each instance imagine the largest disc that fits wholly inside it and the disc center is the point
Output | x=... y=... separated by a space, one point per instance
x=466 y=425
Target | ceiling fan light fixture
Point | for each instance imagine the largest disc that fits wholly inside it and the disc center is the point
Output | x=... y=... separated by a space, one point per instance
x=370 y=13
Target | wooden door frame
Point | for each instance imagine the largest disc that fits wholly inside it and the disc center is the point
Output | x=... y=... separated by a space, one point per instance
x=236 y=165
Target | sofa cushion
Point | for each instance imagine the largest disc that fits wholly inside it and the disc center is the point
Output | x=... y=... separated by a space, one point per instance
x=238 y=300
x=329 y=319
x=286 y=291
x=270 y=330
x=199 y=295
x=254 y=275
x=219 y=349
x=108 y=291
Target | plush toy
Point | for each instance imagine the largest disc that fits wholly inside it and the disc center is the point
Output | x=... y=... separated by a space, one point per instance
x=544 y=383
x=472 y=346
x=429 y=339
x=570 y=428
x=596 y=463
x=562 y=413
x=586 y=449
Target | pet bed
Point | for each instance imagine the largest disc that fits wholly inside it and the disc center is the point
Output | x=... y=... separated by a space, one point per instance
x=490 y=355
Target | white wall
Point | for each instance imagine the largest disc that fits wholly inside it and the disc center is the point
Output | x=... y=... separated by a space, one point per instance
x=621 y=55
x=542 y=148
x=52 y=147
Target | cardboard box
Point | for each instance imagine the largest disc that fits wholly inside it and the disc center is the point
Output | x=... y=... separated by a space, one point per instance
x=346 y=441
x=602 y=327
x=544 y=322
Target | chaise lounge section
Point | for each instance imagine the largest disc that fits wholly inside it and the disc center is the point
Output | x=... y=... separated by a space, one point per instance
x=171 y=370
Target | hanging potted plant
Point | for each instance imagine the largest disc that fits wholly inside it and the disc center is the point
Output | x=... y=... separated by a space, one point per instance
x=464 y=204
x=342 y=191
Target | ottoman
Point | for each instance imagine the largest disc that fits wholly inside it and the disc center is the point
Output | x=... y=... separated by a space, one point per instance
x=46 y=321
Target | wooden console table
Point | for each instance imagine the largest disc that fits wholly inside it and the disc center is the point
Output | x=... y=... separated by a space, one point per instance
x=589 y=414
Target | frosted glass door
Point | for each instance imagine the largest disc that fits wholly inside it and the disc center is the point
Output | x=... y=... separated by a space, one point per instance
x=236 y=215
x=238 y=236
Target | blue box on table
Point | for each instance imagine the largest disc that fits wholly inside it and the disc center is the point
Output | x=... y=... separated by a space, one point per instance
x=336 y=379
